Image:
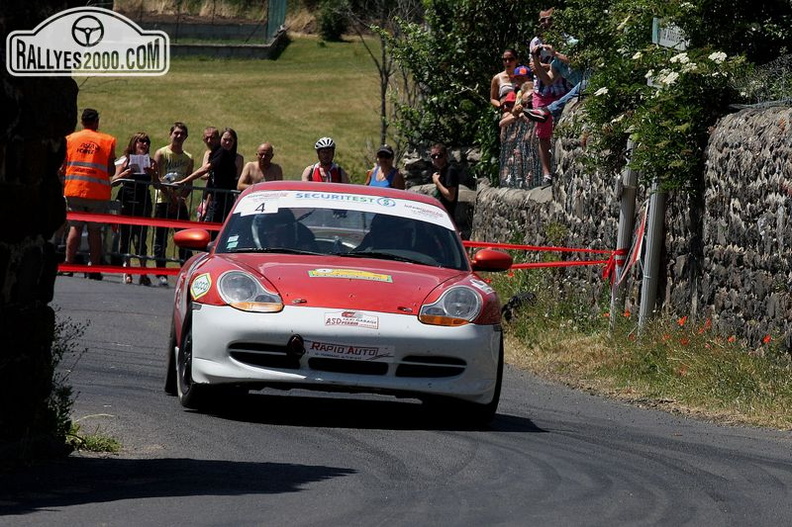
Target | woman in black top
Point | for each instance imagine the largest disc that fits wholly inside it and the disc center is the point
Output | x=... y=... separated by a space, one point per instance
x=224 y=167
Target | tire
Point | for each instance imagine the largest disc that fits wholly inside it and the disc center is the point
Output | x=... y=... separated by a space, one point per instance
x=466 y=413
x=191 y=395
x=170 y=364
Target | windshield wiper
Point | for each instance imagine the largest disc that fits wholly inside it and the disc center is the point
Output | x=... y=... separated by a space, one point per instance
x=381 y=256
x=281 y=250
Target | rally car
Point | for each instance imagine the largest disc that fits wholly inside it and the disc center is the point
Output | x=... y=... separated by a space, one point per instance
x=337 y=287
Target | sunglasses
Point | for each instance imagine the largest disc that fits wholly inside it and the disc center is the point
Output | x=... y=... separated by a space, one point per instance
x=545 y=19
x=144 y=141
x=437 y=156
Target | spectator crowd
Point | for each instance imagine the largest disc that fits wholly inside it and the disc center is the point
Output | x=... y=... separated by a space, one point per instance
x=529 y=99
x=91 y=169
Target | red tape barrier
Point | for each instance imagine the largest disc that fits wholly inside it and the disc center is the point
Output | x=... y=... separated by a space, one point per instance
x=615 y=257
x=139 y=220
x=115 y=219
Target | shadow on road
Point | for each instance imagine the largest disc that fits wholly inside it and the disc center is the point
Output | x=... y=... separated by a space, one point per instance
x=77 y=480
x=367 y=414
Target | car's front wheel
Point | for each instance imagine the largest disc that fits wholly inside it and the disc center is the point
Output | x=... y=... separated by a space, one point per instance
x=170 y=364
x=191 y=395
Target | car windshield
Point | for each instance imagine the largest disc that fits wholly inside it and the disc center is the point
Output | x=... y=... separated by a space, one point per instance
x=272 y=226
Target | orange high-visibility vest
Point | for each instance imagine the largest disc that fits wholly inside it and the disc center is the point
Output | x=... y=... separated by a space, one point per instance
x=87 y=156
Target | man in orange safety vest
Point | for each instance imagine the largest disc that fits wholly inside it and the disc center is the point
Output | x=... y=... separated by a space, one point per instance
x=89 y=163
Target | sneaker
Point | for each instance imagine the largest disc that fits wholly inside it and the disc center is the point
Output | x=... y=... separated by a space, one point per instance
x=95 y=276
x=65 y=273
x=145 y=280
x=163 y=281
x=127 y=278
x=539 y=115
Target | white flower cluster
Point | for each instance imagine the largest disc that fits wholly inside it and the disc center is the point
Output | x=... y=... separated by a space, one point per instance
x=717 y=57
x=665 y=78
x=682 y=58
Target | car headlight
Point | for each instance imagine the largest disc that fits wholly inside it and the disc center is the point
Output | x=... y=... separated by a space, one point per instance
x=455 y=307
x=241 y=291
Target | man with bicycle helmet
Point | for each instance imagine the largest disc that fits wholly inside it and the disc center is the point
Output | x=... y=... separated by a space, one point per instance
x=325 y=170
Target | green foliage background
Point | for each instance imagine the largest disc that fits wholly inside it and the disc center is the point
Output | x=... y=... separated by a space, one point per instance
x=453 y=56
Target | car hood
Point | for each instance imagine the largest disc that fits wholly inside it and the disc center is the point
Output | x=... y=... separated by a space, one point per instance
x=349 y=283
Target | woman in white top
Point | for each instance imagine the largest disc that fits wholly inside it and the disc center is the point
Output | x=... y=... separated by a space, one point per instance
x=502 y=82
x=138 y=171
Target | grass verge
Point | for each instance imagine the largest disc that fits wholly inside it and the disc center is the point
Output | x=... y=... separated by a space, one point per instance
x=314 y=89
x=95 y=442
x=677 y=365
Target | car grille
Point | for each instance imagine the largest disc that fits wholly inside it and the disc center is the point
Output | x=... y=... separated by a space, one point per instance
x=264 y=355
x=416 y=366
x=421 y=366
x=348 y=366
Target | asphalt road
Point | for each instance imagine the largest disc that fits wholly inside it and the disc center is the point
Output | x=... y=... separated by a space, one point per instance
x=553 y=456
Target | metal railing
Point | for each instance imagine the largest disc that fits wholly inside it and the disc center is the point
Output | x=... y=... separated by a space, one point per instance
x=144 y=217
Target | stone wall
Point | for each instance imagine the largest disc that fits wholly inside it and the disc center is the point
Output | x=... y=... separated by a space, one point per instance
x=726 y=256
x=37 y=113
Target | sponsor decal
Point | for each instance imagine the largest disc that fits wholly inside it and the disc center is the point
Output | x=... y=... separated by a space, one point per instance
x=200 y=285
x=260 y=203
x=266 y=202
x=330 y=196
x=351 y=319
x=87 y=41
x=426 y=211
x=351 y=274
x=349 y=352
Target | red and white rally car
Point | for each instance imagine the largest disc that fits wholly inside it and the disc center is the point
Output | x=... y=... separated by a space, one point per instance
x=337 y=287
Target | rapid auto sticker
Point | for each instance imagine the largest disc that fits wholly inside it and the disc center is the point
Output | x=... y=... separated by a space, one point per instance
x=335 y=350
x=266 y=202
x=352 y=274
x=351 y=319
x=200 y=285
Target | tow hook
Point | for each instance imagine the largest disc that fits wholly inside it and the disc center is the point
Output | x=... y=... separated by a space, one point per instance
x=296 y=347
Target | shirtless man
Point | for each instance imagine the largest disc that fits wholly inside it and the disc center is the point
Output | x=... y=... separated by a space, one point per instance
x=261 y=170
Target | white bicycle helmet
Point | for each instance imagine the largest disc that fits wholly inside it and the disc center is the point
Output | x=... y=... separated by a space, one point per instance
x=325 y=142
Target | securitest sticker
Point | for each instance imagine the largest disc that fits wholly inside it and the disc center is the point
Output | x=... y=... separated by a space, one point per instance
x=200 y=286
x=351 y=274
x=351 y=319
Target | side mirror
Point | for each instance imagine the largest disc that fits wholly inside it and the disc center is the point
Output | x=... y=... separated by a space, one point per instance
x=491 y=260
x=195 y=239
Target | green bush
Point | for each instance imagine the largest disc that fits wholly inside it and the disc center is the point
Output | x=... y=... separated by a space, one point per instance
x=332 y=19
x=451 y=59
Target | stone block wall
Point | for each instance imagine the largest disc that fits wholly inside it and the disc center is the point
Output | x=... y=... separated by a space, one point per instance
x=727 y=253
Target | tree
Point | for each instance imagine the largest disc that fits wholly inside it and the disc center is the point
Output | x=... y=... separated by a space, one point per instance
x=665 y=99
x=450 y=59
x=383 y=18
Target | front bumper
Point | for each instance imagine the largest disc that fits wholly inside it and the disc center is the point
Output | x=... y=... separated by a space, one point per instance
x=385 y=353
